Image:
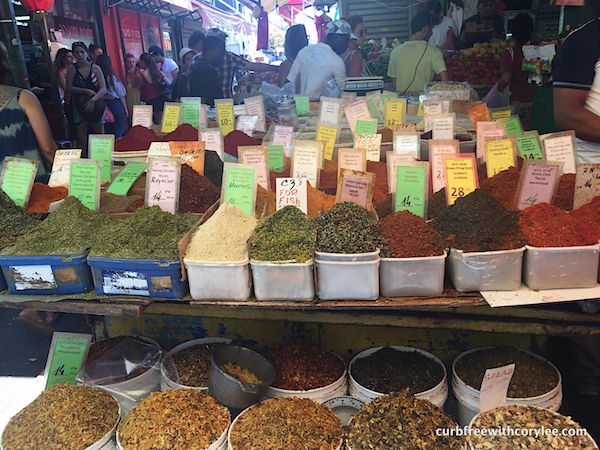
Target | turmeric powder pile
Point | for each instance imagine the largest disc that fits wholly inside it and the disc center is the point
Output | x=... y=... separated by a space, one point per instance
x=42 y=195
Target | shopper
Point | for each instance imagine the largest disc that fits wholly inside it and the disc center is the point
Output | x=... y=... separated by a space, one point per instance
x=181 y=86
x=444 y=30
x=62 y=61
x=85 y=83
x=196 y=43
x=94 y=52
x=133 y=83
x=492 y=25
x=295 y=40
x=167 y=66
x=115 y=97
x=150 y=86
x=204 y=78
x=415 y=63
x=353 y=58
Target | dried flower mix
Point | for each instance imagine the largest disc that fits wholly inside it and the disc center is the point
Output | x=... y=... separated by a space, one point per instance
x=532 y=376
x=521 y=417
x=241 y=373
x=401 y=421
x=409 y=236
x=174 y=419
x=193 y=365
x=390 y=370
x=287 y=423
x=63 y=417
x=14 y=220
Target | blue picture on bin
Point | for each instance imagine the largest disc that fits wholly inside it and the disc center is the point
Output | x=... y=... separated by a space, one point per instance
x=125 y=282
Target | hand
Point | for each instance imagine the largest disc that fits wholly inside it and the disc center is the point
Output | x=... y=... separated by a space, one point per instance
x=91 y=92
x=89 y=106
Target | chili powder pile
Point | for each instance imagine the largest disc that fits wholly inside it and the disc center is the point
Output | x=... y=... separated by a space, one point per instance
x=196 y=193
x=503 y=187
x=184 y=132
x=563 y=198
x=409 y=236
x=587 y=218
x=138 y=138
x=41 y=196
x=237 y=139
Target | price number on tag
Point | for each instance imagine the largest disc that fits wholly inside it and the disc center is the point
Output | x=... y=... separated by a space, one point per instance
x=225 y=121
x=457 y=192
x=406 y=201
x=292 y=183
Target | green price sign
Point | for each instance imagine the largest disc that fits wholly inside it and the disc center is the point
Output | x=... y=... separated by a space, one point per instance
x=240 y=188
x=512 y=126
x=276 y=160
x=17 y=178
x=84 y=182
x=126 y=178
x=528 y=146
x=190 y=111
x=410 y=189
x=66 y=356
x=101 y=148
x=366 y=126
x=301 y=105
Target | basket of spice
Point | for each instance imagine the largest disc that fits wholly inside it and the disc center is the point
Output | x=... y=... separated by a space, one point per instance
x=536 y=430
x=535 y=381
x=306 y=370
x=66 y=417
x=286 y=423
x=413 y=259
x=487 y=243
x=281 y=256
x=400 y=420
x=176 y=418
x=561 y=252
x=347 y=256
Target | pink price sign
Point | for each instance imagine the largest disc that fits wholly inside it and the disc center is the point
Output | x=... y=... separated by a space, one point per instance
x=162 y=183
x=538 y=183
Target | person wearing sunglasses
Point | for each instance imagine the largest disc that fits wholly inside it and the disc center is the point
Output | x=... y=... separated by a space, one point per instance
x=355 y=65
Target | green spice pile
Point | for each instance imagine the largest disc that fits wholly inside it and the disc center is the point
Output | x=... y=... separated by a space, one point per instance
x=63 y=416
x=71 y=228
x=14 y=220
x=193 y=365
x=401 y=421
x=532 y=376
x=149 y=233
x=347 y=228
x=389 y=370
x=478 y=222
x=287 y=235
x=520 y=417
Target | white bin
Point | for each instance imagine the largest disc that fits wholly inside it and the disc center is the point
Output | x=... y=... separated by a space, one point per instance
x=486 y=271
x=402 y=277
x=358 y=280
x=347 y=257
x=219 y=281
x=283 y=281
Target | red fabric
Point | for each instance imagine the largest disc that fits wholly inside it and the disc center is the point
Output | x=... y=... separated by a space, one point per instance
x=321 y=23
x=37 y=5
x=520 y=90
x=149 y=90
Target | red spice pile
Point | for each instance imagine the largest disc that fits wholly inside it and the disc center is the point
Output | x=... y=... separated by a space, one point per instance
x=41 y=196
x=587 y=218
x=563 y=198
x=409 y=236
x=196 y=193
x=503 y=187
x=184 y=132
x=138 y=138
x=381 y=181
x=237 y=139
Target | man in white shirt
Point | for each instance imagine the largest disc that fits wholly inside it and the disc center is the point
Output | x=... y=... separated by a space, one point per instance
x=167 y=66
x=441 y=27
x=320 y=67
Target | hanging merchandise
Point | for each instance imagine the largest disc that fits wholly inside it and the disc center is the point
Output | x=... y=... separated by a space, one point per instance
x=37 y=5
x=321 y=24
x=262 y=39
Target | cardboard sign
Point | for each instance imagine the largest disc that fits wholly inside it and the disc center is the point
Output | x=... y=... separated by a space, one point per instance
x=587 y=184
x=284 y=136
x=405 y=128
x=292 y=191
x=276 y=158
x=561 y=147
x=328 y=136
x=407 y=143
x=348 y=97
x=487 y=130
x=412 y=187
x=371 y=143
x=366 y=127
x=537 y=183
x=17 y=178
x=66 y=357
x=302 y=105
x=225 y=117
x=142 y=115
x=494 y=387
x=190 y=152
x=190 y=111
x=479 y=113
x=357 y=187
x=393 y=160
x=84 y=182
x=356 y=111
x=375 y=104
x=442 y=126
x=512 y=125
x=101 y=148
x=501 y=113
x=353 y=159
x=331 y=111
x=213 y=141
x=256 y=156
x=170 y=119
x=246 y=124
x=461 y=176
x=126 y=178
x=528 y=145
x=501 y=154
x=239 y=187
x=256 y=107
x=162 y=183
x=436 y=151
x=62 y=165
x=306 y=161
x=395 y=111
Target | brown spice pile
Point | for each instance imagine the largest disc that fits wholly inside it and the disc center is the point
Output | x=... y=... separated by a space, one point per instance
x=196 y=193
x=381 y=181
x=385 y=207
x=266 y=202
x=503 y=187
x=587 y=218
x=193 y=365
x=563 y=198
x=409 y=236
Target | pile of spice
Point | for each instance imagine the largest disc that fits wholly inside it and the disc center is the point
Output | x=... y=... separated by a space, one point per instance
x=347 y=228
x=390 y=370
x=522 y=417
x=532 y=376
x=587 y=218
x=213 y=167
x=266 y=202
x=290 y=423
x=14 y=220
x=42 y=195
x=478 y=222
x=236 y=139
x=301 y=365
x=287 y=235
x=176 y=418
x=63 y=416
x=223 y=237
x=503 y=187
x=563 y=197
x=240 y=372
x=184 y=132
x=138 y=138
x=408 y=236
x=114 y=204
x=193 y=365
x=399 y=420
x=196 y=193
x=436 y=204
x=318 y=201
x=549 y=226
x=381 y=181
x=150 y=233
x=71 y=228
x=385 y=207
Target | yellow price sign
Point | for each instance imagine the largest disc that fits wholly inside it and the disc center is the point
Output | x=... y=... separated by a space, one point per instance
x=503 y=114
x=225 y=116
x=170 y=119
x=500 y=155
x=328 y=136
x=395 y=111
x=461 y=176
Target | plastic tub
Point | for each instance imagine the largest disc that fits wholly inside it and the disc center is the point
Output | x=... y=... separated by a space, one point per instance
x=140 y=277
x=47 y=274
x=561 y=267
x=402 y=277
x=358 y=280
x=219 y=281
x=283 y=281
x=347 y=257
x=436 y=395
x=485 y=271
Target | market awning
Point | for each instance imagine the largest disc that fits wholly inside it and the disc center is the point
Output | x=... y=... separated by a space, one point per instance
x=215 y=18
x=270 y=5
x=163 y=9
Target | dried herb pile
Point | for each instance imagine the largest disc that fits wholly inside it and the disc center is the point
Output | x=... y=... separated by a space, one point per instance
x=176 y=418
x=478 y=222
x=14 y=220
x=193 y=365
x=401 y=421
x=65 y=417
x=408 y=236
x=287 y=423
x=287 y=235
x=347 y=228
x=532 y=376
x=196 y=193
x=390 y=370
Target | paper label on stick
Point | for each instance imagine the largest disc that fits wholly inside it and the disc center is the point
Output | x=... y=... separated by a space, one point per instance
x=486 y=131
x=283 y=135
x=357 y=187
x=255 y=107
x=331 y=111
x=479 y=113
x=190 y=152
x=395 y=111
x=461 y=176
x=292 y=191
x=436 y=150
x=142 y=115
x=306 y=161
x=246 y=124
x=162 y=183
x=328 y=136
x=393 y=160
x=84 y=182
x=442 y=126
x=494 y=387
x=371 y=143
x=101 y=148
x=239 y=187
x=302 y=105
x=17 y=178
x=432 y=107
x=190 y=110
x=500 y=155
x=407 y=143
x=538 y=183
x=126 y=178
x=411 y=189
x=225 y=117
x=353 y=159
x=512 y=125
x=213 y=141
x=366 y=127
x=65 y=358
x=356 y=111
x=528 y=146
x=587 y=184
x=561 y=147
x=276 y=158
x=375 y=103
x=256 y=156
x=62 y=165
x=170 y=119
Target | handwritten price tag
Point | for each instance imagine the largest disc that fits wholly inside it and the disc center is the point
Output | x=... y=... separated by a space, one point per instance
x=393 y=160
x=171 y=114
x=190 y=152
x=142 y=115
x=17 y=178
x=65 y=358
x=561 y=147
x=528 y=145
x=162 y=183
x=537 y=183
x=61 y=166
x=353 y=159
x=587 y=184
x=190 y=110
x=256 y=156
x=84 y=182
x=302 y=105
x=500 y=155
x=239 y=187
x=255 y=107
x=331 y=111
x=126 y=178
x=306 y=160
x=292 y=191
x=276 y=158
x=411 y=188
x=213 y=141
x=395 y=111
x=442 y=126
x=407 y=143
x=461 y=176
x=101 y=148
x=437 y=149
x=328 y=136
x=225 y=117
x=366 y=127
x=247 y=124
x=371 y=143
x=283 y=135
x=494 y=387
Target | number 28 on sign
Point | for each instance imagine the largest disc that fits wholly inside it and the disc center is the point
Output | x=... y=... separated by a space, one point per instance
x=461 y=176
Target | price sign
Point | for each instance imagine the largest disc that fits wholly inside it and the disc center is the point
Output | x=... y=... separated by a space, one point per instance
x=306 y=160
x=126 y=178
x=405 y=128
x=407 y=143
x=479 y=113
x=256 y=156
x=66 y=357
x=442 y=126
x=494 y=387
x=158 y=149
x=246 y=124
x=101 y=148
x=528 y=145
x=301 y=105
x=436 y=151
x=375 y=104
x=500 y=155
x=61 y=166
x=393 y=160
x=356 y=111
x=561 y=147
x=225 y=117
x=348 y=97
x=331 y=111
x=276 y=158
x=284 y=136
x=501 y=113
x=357 y=187
x=328 y=136
x=190 y=152
x=142 y=115
x=239 y=187
x=412 y=186
x=395 y=111
x=371 y=143
x=190 y=110
x=170 y=119
x=213 y=141
x=587 y=184
x=366 y=127
x=292 y=191
x=17 y=178
x=487 y=130
x=84 y=182
x=432 y=107
x=162 y=183
x=256 y=107
x=512 y=126
x=353 y=159
x=537 y=183
x=461 y=176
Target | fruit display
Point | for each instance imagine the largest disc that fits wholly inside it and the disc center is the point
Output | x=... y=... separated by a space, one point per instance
x=377 y=55
x=479 y=65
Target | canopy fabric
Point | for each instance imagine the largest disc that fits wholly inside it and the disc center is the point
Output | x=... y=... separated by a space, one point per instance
x=215 y=18
x=270 y=5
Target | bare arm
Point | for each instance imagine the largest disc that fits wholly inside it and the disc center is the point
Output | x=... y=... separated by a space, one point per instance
x=101 y=83
x=39 y=124
x=570 y=114
x=444 y=75
x=174 y=73
x=355 y=65
x=260 y=67
x=70 y=89
x=62 y=80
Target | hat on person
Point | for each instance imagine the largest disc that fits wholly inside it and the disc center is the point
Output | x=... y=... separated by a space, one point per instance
x=184 y=51
x=156 y=50
x=340 y=27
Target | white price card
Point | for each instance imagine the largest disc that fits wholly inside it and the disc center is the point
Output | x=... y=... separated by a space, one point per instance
x=61 y=166
x=494 y=387
x=292 y=191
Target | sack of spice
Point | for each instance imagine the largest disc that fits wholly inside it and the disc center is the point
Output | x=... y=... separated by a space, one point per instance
x=409 y=236
x=14 y=220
